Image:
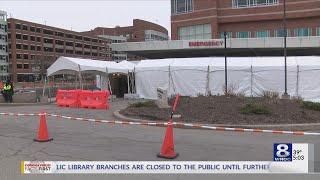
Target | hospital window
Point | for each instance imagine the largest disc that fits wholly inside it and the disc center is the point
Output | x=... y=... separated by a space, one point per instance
x=244 y=34
x=253 y=3
x=202 y=31
x=181 y=6
x=281 y=33
x=302 y=32
x=263 y=34
x=318 y=31
x=229 y=35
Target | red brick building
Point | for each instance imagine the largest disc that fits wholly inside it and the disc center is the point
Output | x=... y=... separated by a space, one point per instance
x=34 y=47
x=140 y=31
x=208 y=19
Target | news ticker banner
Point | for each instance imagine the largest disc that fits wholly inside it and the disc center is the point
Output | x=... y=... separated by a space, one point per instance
x=287 y=158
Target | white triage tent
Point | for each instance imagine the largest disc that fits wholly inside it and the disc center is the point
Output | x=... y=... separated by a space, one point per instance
x=79 y=66
x=203 y=76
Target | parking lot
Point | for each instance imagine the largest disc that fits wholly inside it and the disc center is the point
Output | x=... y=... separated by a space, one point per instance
x=85 y=141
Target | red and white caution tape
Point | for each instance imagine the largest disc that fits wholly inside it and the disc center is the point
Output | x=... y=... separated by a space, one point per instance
x=179 y=124
x=198 y=126
x=19 y=114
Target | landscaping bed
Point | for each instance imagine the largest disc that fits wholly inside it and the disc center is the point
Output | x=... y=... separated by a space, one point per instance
x=232 y=110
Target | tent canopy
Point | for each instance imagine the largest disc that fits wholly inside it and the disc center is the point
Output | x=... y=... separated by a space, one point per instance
x=251 y=76
x=68 y=65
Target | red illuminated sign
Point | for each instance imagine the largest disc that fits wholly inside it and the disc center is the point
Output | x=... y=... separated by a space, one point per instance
x=205 y=43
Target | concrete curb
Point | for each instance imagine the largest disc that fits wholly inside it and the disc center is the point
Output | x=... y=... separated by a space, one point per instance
x=305 y=125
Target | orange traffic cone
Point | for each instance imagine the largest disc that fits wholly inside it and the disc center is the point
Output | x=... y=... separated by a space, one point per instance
x=43 y=135
x=167 y=150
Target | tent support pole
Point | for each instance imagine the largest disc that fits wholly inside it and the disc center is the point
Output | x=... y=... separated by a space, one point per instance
x=76 y=81
x=63 y=85
x=49 y=89
x=128 y=81
x=44 y=86
x=108 y=81
x=134 y=81
x=251 y=80
x=208 y=82
x=80 y=79
x=169 y=80
x=100 y=82
x=297 y=85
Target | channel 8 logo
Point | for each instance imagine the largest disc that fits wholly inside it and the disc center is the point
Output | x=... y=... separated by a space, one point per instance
x=282 y=152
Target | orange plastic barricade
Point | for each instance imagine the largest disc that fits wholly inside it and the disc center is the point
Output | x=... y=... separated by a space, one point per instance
x=101 y=99
x=86 y=99
x=94 y=99
x=67 y=98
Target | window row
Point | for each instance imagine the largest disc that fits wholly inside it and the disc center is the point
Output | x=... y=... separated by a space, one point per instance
x=22 y=56
x=4 y=69
x=3 y=48
x=48 y=49
x=154 y=37
x=202 y=31
x=55 y=33
x=253 y=3
x=3 y=37
x=4 y=27
x=50 y=41
x=4 y=58
x=30 y=57
x=298 y=32
x=33 y=57
x=23 y=66
x=181 y=6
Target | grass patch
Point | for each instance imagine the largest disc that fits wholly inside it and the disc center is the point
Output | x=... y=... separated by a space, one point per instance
x=311 y=105
x=143 y=104
x=255 y=109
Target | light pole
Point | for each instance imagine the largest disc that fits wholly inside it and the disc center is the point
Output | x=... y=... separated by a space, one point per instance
x=225 y=64
x=285 y=48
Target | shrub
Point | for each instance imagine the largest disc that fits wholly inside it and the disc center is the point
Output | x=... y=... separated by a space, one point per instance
x=143 y=104
x=297 y=99
x=255 y=109
x=232 y=91
x=311 y=105
x=271 y=96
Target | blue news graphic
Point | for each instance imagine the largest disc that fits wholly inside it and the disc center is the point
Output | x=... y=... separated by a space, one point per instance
x=282 y=152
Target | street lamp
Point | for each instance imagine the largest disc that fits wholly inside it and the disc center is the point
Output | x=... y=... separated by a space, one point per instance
x=225 y=64
x=285 y=48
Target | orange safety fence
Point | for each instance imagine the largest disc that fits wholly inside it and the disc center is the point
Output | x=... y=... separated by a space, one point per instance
x=83 y=99
x=68 y=98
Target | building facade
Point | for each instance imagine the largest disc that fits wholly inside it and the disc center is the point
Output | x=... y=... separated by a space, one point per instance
x=4 y=55
x=116 y=55
x=34 y=47
x=209 y=19
x=140 y=31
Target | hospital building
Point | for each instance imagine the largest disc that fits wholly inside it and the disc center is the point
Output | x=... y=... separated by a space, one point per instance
x=252 y=27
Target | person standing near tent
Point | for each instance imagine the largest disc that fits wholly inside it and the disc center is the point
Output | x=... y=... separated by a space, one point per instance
x=7 y=91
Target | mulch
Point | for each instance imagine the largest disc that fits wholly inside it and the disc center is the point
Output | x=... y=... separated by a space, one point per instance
x=226 y=110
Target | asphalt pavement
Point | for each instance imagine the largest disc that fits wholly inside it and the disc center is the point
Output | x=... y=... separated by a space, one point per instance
x=86 y=141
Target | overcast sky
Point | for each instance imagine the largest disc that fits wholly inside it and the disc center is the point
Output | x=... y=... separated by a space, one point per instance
x=83 y=15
